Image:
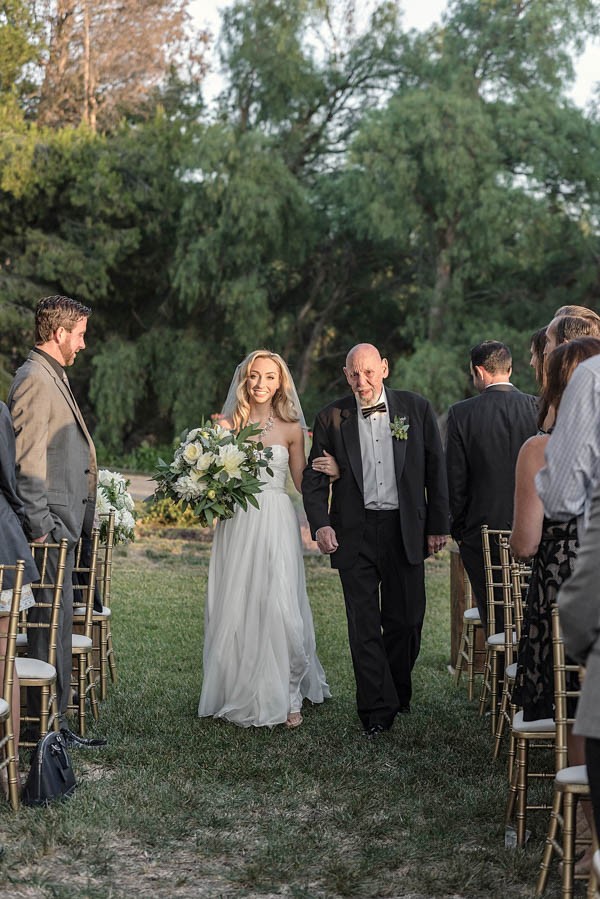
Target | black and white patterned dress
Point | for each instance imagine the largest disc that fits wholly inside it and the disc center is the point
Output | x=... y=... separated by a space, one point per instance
x=552 y=566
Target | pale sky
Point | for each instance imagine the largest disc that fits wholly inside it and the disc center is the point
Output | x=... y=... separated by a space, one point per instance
x=416 y=14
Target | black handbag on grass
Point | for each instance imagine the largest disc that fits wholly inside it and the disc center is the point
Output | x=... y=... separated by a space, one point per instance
x=51 y=775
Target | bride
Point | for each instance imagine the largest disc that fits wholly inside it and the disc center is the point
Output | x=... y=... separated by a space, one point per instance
x=260 y=659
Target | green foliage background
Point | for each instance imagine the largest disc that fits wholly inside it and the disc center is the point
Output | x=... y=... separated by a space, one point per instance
x=422 y=191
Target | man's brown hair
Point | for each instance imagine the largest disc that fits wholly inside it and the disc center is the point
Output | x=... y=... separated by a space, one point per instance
x=56 y=312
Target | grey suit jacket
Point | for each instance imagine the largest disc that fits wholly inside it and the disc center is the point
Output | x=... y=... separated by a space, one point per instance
x=56 y=460
x=579 y=610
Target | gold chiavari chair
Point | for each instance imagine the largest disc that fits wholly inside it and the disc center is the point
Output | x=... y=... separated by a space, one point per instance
x=34 y=673
x=570 y=782
x=467 y=650
x=524 y=736
x=104 y=656
x=519 y=575
x=497 y=588
x=82 y=646
x=9 y=761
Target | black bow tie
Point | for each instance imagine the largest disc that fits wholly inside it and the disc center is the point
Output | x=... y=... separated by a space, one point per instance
x=369 y=410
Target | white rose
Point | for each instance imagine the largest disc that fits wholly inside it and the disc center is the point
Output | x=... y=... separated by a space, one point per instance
x=191 y=453
x=129 y=503
x=205 y=461
x=192 y=435
x=198 y=479
x=230 y=457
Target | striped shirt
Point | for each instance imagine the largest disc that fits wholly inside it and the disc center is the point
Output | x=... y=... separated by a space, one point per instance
x=566 y=484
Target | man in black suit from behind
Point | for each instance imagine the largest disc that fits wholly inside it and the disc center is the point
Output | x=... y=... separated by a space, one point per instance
x=388 y=511
x=484 y=436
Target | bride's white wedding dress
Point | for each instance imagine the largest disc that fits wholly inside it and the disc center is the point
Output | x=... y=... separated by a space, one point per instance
x=260 y=658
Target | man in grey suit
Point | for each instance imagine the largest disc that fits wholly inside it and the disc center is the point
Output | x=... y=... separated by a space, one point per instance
x=56 y=468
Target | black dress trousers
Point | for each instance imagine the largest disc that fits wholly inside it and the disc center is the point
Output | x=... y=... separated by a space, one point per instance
x=385 y=607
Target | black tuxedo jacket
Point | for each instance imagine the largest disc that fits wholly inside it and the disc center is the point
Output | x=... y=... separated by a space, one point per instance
x=420 y=477
x=484 y=436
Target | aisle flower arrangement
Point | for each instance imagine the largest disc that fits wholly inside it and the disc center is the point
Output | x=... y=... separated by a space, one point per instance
x=214 y=471
x=112 y=495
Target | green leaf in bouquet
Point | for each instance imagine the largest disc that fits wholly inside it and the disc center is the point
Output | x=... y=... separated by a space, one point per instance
x=253 y=501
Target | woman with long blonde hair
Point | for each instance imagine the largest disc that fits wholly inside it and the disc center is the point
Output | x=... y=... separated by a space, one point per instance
x=260 y=659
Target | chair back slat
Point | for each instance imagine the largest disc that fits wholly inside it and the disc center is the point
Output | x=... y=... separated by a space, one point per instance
x=83 y=592
x=105 y=558
x=9 y=639
x=495 y=576
x=53 y=585
x=563 y=693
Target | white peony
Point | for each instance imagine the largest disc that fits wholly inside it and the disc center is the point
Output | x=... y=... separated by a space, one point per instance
x=231 y=458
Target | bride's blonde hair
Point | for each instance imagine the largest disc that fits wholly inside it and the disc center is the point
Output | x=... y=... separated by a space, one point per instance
x=283 y=402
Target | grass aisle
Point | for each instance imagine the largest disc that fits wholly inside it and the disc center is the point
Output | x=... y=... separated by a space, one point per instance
x=178 y=807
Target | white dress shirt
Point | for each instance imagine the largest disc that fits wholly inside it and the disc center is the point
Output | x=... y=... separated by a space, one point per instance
x=566 y=484
x=377 y=453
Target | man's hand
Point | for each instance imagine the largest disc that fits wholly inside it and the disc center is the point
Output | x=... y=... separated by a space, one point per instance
x=435 y=542
x=326 y=540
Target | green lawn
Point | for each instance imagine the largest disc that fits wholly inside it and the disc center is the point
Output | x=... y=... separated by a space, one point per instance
x=178 y=807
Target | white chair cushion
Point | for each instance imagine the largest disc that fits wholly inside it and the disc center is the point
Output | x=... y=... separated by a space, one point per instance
x=4 y=709
x=472 y=615
x=497 y=640
x=78 y=641
x=29 y=668
x=79 y=611
x=576 y=774
x=542 y=726
x=510 y=671
x=21 y=641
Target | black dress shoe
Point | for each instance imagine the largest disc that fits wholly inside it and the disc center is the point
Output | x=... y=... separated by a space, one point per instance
x=404 y=710
x=74 y=741
x=374 y=731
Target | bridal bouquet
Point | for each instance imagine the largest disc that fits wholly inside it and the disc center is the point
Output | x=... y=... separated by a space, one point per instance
x=112 y=495
x=214 y=471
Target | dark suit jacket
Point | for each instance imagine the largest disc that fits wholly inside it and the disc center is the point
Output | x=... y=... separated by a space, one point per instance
x=13 y=542
x=484 y=436
x=420 y=477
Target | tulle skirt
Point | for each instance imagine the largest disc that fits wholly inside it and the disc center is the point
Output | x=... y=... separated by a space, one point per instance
x=260 y=657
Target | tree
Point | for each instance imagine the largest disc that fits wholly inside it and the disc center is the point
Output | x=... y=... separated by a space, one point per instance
x=481 y=171
x=19 y=47
x=110 y=58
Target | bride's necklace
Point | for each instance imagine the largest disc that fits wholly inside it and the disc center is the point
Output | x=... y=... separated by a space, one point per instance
x=268 y=424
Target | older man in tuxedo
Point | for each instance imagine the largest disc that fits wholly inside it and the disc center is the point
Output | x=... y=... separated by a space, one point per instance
x=388 y=511
x=484 y=436
x=56 y=468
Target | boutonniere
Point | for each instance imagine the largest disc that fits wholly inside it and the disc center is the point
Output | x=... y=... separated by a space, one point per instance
x=399 y=427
